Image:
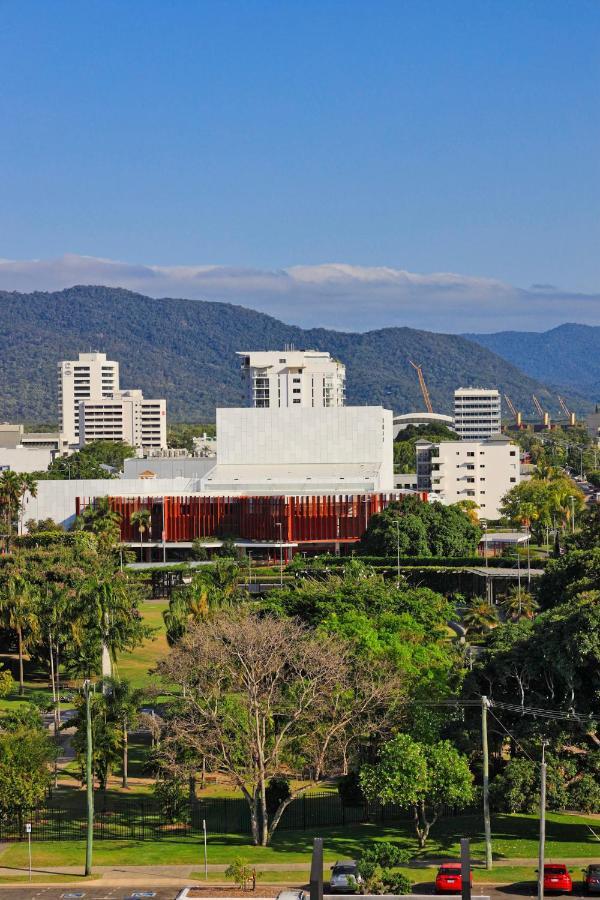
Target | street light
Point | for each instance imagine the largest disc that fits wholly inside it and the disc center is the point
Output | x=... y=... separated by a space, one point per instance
x=280 y=526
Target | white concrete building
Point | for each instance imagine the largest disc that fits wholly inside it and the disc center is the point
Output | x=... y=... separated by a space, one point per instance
x=592 y=423
x=477 y=413
x=25 y=459
x=91 y=377
x=482 y=471
x=281 y=378
x=303 y=450
x=126 y=416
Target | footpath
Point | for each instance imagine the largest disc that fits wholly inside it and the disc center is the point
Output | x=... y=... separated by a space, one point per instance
x=180 y=875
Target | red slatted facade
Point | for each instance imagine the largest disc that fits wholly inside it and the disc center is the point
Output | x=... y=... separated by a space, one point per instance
x=305 y=519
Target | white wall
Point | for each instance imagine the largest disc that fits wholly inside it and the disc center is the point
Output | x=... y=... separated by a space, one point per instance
x=56 y=499
x=25 y=459
x=350 y=434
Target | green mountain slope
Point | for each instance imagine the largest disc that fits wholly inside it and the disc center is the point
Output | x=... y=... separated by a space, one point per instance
x=567 y=357
x=184 y=350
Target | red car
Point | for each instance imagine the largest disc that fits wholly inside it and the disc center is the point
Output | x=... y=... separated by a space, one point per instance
x=557 y=878
x=449 y=879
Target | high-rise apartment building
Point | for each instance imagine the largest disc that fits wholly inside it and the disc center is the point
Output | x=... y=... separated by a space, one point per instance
x=477 y=413
x=126 y=416
x=304 y=378
x=91 y=377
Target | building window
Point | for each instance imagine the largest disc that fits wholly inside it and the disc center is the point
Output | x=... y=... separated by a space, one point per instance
x=297 y=400
x=513 y=480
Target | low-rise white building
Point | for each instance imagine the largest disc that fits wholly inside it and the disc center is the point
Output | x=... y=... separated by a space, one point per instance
x=126 y=416
x=280 y=378
x=295 y=450
x=482 y=471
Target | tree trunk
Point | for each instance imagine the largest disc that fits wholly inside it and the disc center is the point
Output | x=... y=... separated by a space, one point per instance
x=21 y=678
x=125 y=782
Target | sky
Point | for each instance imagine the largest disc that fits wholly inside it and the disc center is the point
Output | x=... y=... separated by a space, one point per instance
x=355 y=165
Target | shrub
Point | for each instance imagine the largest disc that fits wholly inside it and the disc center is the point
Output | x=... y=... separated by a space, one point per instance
x=384 y=854
x=584 y=795
x=397 y=883
x=278 y=790
x=241 y=874
x=350 y=791
x=173 y=799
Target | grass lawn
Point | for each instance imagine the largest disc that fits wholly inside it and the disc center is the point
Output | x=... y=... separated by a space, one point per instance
x=514 y=837
x=134 y=666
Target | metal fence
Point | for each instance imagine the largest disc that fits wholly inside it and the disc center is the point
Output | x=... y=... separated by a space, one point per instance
x=130 y=819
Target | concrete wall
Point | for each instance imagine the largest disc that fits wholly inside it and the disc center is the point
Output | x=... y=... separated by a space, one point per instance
x=169 y=467
x=25 y=459
x=350 y=434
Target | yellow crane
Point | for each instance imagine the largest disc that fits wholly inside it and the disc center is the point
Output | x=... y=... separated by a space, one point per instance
x=570 y=415
x=423 y=386
x=517 y=415
x=544 y=417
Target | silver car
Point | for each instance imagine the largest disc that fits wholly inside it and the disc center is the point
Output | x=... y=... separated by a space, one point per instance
x=344 y=877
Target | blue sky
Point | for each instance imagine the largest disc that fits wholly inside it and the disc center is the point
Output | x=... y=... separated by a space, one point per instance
x=430 y=137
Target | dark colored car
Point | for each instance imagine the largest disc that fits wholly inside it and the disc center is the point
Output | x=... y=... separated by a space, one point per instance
x=591 y=879
x=557 y=878
x=449 y=879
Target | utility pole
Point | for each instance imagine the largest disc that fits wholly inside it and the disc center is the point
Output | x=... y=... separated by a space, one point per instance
x=486 y=784
x=89 y=779
x=572 y=499
x=280 y=526
x=542 y=847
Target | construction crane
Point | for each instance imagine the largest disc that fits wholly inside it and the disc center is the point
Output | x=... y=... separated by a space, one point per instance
x=544 y=417
x=517 y=415
x=423 y=386
x=570 y=415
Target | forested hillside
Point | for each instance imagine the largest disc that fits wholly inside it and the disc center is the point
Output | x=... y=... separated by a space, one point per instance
x=184 y=350
x=567 y=357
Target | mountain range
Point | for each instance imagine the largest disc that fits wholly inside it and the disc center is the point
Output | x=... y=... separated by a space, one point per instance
x=566 y=357
x=184 y=350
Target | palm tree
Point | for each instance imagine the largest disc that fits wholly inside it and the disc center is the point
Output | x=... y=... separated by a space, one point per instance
x=18 y=600
x=142 y=518
x=520 y=604
x=13 y=487
x=123 y=703
x=480 y=616
x=101 y=520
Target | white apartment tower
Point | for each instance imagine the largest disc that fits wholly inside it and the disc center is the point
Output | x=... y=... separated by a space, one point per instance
x=126 y=416
x=477 y=413
x=301 y=378
x=91 y=377
x=482 y=471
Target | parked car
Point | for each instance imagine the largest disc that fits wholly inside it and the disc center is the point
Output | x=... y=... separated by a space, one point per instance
x=292 y=895
x=344 y=877
x=449 y=878
x=591 y=879
x=557 y=878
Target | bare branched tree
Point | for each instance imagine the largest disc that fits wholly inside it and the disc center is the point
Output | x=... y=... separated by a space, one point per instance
x=263 y=696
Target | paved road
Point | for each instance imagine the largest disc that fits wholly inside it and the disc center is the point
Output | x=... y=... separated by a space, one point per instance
x=90 y=891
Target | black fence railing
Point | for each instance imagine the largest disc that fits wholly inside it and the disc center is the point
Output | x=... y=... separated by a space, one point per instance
x=145 y=820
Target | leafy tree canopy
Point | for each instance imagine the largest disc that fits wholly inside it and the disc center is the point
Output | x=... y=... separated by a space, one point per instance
x=90 y=461
x=421 y=529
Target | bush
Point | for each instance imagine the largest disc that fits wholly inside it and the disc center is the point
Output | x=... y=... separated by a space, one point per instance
x=584 y=795
x=517 y=788
x=384 y=854
x=241 y=874
x=173 y=798
x=350 y=791
x=397 y=883
x=278 y=790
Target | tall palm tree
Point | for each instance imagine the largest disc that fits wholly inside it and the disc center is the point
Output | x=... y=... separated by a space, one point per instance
x=123 y=704
x=13 y=487
x=18 y=602
x=480 y=616
x=142 y=519
x=101 y=520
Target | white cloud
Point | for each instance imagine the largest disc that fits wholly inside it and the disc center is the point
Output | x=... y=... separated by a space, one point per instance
x=335 y=295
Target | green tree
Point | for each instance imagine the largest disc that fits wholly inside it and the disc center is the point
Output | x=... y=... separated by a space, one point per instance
x=13 y=487
x=106 y=738
x=25 y=754
x=480 y=616
x=404 y=444
x=123 y=702
x=421 y=777
x=100 y=519
x=519 y=604
x=18 y=609
x=421 y=529
x=95 y=460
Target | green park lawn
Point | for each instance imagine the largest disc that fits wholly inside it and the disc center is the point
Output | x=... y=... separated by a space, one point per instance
x=514 y=838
